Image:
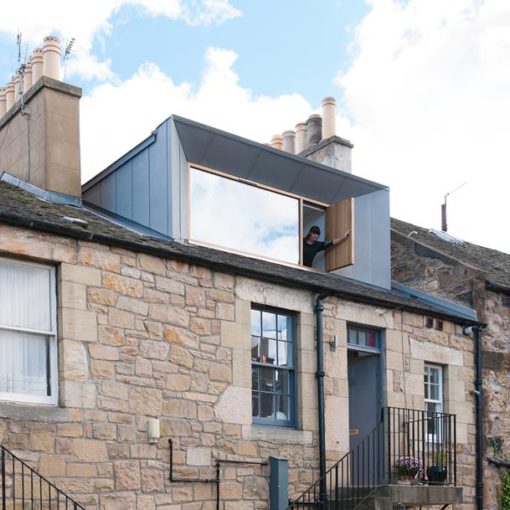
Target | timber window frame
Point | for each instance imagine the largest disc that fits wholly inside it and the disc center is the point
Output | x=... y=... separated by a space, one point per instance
x=273 y=355
x=28 y=333
x=433 y=383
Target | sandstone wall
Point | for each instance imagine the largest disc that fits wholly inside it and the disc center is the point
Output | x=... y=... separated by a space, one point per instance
x=140 y=337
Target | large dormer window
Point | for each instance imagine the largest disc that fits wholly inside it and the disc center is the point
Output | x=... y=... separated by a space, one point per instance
x=242 y=216
x=245 y=218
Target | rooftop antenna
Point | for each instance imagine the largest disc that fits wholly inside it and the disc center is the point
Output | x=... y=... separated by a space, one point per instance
x=444 y=223
x=21 y=71
x=67 y=52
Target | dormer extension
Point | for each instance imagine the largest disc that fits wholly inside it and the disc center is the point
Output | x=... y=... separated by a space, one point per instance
x=201 y=185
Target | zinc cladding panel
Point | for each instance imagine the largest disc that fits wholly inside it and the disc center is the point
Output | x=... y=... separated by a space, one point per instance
x=141 y=195
x=159 y=189
x=124 y=190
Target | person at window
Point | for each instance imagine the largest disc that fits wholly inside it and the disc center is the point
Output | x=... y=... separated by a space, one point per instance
x=312 y=245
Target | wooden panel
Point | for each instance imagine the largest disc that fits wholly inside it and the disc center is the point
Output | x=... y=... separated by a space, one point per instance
x=339 y=219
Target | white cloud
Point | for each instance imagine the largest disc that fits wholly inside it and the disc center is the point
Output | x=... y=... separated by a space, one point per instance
x=115 y=117
x=89 y=20
x=427 y=98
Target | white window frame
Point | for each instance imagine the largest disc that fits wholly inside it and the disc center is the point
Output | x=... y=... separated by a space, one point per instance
x=51 y=334
x=439 y=403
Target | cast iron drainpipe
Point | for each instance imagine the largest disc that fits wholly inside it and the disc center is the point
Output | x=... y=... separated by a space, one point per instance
x=319 y=307
x=479 y=421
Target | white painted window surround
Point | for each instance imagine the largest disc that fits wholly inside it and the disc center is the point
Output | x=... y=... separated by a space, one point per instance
x=433 y=397
x=28 y=350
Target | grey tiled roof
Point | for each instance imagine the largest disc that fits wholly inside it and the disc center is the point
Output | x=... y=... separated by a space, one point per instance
x=493 y=263
x=19 y=207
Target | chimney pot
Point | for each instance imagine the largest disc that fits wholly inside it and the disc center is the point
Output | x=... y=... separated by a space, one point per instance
x=328 y=106
x=9 y=96
x=300 y=137
x=277 y=142
x=3 y=109
x=289 y=141
x=314 y=129
x=27 y=78
x=37 y=65
x=51 y=57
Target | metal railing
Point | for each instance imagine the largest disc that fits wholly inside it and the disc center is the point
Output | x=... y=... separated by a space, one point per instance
x=407 y=444
x=21 y=487
x=420 y=445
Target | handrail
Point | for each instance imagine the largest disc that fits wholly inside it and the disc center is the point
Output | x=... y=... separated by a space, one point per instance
x=21 y=485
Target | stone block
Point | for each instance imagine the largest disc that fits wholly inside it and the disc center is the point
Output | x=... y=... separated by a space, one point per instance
x=151 y=264
x=236 y=335
x=79 y=325
x=127 y=475
x=123 y=285
x=72 y=295
x=225 y=311
x=99 y=258
x=169 y=314
x=89 y=450
x=134 y=305
x=145 y=401
x=121 y=318
x=234 y=406
x=106 y=352
x=181 y=357
x=220 y=372
x=52 y=465
x=74 y=360
x=81 y=274
x=198 y=456
x=154 y=349
x=102 y=296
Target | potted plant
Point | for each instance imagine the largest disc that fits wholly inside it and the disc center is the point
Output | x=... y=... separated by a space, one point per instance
x=407 y=467
x=437 y=472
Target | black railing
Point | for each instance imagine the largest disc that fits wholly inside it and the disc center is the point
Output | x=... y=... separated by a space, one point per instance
x=23 y=488
x=421 y=446
x=407 y=445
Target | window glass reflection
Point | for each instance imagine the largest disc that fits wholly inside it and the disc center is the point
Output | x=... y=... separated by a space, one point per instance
x=244 y=218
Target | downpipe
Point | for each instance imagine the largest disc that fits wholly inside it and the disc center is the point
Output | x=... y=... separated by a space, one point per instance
x=319 y=308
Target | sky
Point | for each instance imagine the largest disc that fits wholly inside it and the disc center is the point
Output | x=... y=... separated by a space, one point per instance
x=422 y=86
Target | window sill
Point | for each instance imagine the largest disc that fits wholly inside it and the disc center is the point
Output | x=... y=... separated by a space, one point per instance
x=276 y=434
x=25 y=411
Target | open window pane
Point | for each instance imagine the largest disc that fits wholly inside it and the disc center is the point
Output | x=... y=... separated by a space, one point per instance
x=244 y=218
x=24 y=363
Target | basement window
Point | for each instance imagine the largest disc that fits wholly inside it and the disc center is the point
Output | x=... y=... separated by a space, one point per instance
x=28 y=350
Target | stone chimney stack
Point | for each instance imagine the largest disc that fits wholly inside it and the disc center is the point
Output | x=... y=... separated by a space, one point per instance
x=41 y=135
x=330 y=149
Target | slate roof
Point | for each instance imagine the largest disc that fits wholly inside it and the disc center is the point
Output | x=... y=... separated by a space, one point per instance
x=493 y=263
x=22 y=208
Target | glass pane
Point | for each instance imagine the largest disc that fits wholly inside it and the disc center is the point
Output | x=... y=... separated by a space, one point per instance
x=267 y=351
x=24 y=363
x=282 y=327
x=269 y=325
x=362 y=338
x=352 y=336
x=266 y=379
x=434 y=375
x=235 y=215
x=284 y=354
x=255 y=322
x=255 y=378
x=281 y=381
x=371 y=339
x=25 y=295
x=255 y=356
x=282 y=407
x=434 y=392
x=255 y=401
x=267 y=405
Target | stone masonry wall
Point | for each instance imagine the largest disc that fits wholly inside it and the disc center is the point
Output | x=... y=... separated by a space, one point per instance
x=452 y=280
x=144 y=337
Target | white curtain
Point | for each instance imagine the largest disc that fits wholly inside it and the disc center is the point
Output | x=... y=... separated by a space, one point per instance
x=24 y=303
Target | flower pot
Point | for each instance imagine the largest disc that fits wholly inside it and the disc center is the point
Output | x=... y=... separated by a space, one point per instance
x=437 y=475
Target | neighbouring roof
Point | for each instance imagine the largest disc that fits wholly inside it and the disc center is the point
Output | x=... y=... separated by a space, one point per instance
x=22 y=208
x=493 y=263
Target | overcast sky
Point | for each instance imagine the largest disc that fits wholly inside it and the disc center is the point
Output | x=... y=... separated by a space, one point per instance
x=423 y=86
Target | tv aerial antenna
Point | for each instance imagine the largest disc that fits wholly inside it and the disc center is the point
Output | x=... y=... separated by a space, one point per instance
x=67 y=52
